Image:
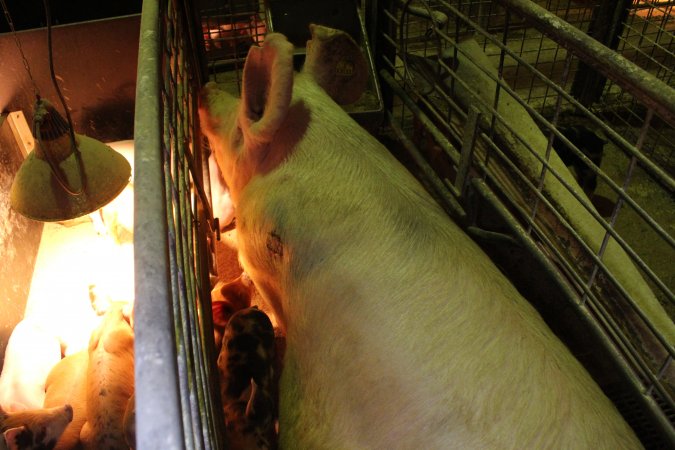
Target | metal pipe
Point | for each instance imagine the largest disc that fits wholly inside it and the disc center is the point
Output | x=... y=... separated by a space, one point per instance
x=655 y=171
x=449 y=203
x=583 y=201
x=158 y=409
x=648 y=89
x=468 y=144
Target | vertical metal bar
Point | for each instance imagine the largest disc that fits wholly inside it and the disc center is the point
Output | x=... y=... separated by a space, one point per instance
x=174 y=258
x=535 y=64
x=184 y=231
x=606 y=27
x=158 y=417
x=500 y=72
x=201 y=222
x=447 y=201
x=172 y=165
x=468 y=143
x=522 y=49
x=556 y=114
x=386 y=51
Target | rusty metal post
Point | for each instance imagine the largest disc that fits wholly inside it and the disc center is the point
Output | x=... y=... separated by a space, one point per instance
x=645 y=87
x=606 y=26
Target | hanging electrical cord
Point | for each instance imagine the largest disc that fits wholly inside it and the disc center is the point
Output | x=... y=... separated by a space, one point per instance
x=73 y=143
x=45 y=116
x=10 y=22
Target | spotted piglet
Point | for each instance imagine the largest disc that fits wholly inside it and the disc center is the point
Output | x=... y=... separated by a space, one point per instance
x=36 y=429
x=246 y=366
x=226 y=299
x=400 y=331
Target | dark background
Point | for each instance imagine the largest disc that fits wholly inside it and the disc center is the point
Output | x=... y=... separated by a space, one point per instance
x=28 y=14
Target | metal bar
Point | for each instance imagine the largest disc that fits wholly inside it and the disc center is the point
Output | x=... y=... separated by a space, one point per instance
x=648 y=219
x=468 y=144
x=442 y=141
x=205 y=199
x=450 y=205
x=549 y=144
x=207 y=356
x=619 y=203
x=662 y=372
x=644 y=86
x=158 y=415
x=659 y=174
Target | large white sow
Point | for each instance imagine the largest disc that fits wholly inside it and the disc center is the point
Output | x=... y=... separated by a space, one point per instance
x=400 y=332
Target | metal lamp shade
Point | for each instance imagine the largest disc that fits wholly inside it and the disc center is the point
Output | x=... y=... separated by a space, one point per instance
x=37 y=194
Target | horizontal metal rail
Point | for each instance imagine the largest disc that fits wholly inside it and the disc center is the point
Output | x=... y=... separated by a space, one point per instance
x=662 y=177
x=648 y=89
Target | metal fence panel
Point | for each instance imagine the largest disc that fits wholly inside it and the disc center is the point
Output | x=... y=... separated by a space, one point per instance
x=175 y=362
x=493 y=83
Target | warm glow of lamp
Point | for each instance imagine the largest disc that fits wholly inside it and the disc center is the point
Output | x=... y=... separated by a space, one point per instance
x=60 y=180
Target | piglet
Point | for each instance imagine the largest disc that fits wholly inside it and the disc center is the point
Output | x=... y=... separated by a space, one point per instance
x=247 y=391
x=400 y=331
x=67 y=383
x=37 y=429
x=110 y=382
x=226 y=299
x=220 y=195
x=31 y=353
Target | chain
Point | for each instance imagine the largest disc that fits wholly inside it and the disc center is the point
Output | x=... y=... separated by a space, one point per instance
x=18 y=44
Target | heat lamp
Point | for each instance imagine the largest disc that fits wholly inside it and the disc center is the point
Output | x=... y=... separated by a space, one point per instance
x=66 y=175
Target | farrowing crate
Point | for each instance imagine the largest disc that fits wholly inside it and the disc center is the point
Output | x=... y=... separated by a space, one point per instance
x=494 y=186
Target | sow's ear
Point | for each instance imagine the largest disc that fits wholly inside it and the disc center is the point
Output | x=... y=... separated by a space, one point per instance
x=267 y=88
x=336 y=63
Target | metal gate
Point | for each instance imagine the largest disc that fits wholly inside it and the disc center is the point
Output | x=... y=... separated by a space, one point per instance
x=581 y=236
x=483 y=96
x=175 y=363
